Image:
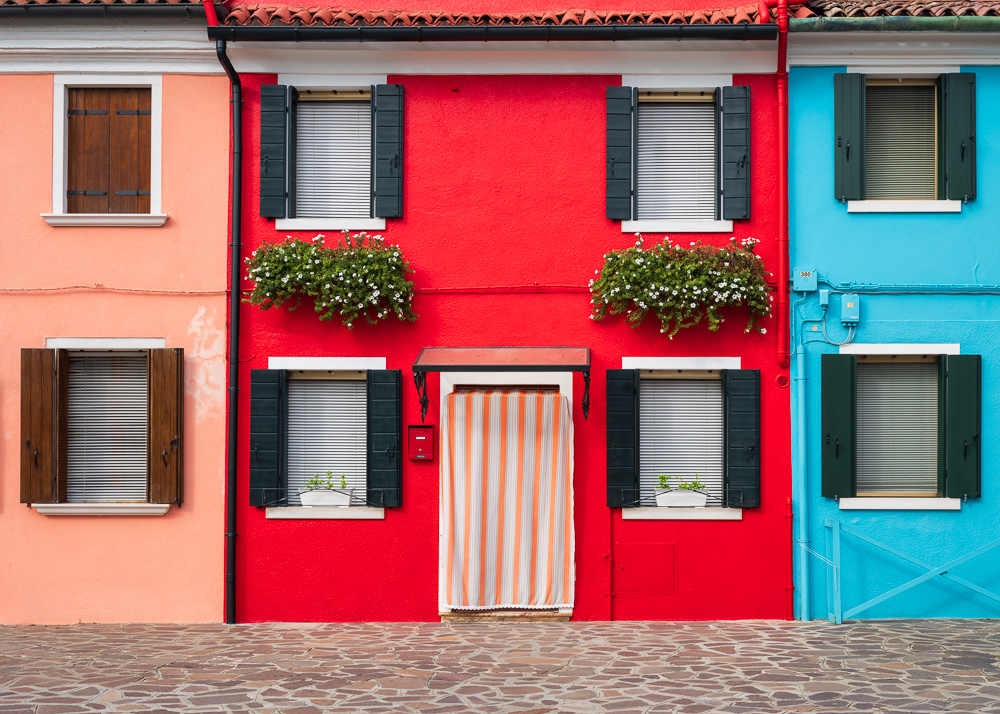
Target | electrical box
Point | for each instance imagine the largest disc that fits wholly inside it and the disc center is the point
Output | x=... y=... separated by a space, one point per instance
x=850 y=309
x=420 y=443
x=824 y=297
x=804 y=280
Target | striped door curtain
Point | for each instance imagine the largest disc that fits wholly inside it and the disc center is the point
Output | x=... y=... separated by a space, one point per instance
x=507 y=500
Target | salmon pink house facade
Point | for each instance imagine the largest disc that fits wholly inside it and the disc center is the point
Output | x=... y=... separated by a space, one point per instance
x=500 y=429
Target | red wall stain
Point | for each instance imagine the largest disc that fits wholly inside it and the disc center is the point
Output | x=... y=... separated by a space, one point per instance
x=504 y=186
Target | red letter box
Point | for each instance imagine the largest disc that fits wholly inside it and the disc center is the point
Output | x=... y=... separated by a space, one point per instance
x=420 y=443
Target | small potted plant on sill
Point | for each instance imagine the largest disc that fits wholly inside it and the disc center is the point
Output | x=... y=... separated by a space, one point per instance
x=323 y=491
x=685 y=494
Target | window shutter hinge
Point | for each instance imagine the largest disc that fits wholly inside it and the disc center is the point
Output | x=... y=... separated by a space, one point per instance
x=73 y=112
x=86 y=193
x=134 y=112
x=132 y=193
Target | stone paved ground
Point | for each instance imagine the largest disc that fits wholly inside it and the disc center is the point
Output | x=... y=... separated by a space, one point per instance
x=912 y=666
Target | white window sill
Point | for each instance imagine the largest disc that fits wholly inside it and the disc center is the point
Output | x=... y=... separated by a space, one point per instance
x=875 y=503
x=101 y=509
x=136 y=220
x=904 y=206
x=677 y=226
x=333 y=513
x=329 y=224
x=682 y=514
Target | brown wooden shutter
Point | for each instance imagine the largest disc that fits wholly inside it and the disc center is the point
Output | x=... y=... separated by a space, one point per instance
x=108 y=151
x=38 y=423
x=166 y=418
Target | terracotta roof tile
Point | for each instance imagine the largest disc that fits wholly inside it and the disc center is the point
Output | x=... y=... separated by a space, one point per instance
x=897 y=8
x=253 y=14
x=101 y=2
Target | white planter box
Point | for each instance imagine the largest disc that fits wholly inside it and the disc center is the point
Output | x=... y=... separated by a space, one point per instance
x=325 y=497
x=680 y=498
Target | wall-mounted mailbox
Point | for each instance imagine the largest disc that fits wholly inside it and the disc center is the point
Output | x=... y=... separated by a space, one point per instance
x=420 y=442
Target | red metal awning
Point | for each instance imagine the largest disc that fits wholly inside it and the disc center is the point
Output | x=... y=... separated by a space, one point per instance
x=500 y=359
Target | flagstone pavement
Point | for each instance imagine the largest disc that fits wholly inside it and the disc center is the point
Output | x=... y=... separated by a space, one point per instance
x=745 y=667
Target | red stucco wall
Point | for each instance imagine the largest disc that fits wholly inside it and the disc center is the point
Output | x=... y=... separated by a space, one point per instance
x=504 y=186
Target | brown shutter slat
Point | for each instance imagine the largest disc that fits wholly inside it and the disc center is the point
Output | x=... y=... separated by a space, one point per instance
x=166 y=417
x=97 y=138
x=62 y=422
x=144 y=128
x=129 y=151
x=76 y=144
x=37 y=425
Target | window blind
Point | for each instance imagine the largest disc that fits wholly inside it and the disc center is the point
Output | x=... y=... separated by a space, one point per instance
x=897 y=428
x=333 y=156
x=900 y=142
x=107 y=427
x=327 y=432
x=676 y=160
x=680 y=434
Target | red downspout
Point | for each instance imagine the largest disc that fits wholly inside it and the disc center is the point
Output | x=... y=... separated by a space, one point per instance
x=210 y=14
x=782 y=17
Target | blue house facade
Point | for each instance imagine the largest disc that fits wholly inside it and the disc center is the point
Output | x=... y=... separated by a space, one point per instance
x=895 y=249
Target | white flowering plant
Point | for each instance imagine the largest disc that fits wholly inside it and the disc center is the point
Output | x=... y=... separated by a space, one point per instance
x=682 y=286
x=359 y=277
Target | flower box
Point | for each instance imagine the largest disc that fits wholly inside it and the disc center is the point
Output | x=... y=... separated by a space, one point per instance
x=681 y=498
x=326 y=497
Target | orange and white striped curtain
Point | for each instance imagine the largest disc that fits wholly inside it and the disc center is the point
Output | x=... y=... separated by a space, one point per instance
x=507 y=500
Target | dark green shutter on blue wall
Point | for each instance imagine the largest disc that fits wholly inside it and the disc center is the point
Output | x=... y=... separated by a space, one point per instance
x=962 y=426
x=387 y=103
x=623 y=437
x=741 y=388
x=268 y=436
x=957 y=135
x=849 y=136
x=619 y=153
x=735 y=152
x=839 y=385
x=385 y=428
x=273 y=150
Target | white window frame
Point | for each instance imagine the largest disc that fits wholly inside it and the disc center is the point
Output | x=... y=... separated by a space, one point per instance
x=895 y=503
x=687 y=83
x=326 y=82
x=61 y=85
x=682 y=514
x=309 y=364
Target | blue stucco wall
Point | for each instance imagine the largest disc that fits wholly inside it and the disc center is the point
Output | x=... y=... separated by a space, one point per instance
x=927 y=249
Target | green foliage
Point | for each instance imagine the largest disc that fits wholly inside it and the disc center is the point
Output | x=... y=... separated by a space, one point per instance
x=361 y=276
x=326 y=483
x=692 y=485
x=681 y=286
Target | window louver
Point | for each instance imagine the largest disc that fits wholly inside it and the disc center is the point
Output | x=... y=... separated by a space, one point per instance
x=900 y=142
x=107 y=428
x=897 y=428
x=327 y=432
x=333 y=159
x=676 y=160
x=681 y=427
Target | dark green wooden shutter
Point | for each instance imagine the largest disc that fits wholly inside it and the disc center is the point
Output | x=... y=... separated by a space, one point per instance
x=619 y=156
x=273 y=150
x=849 y=136
x=268 y=436
x=387 y=100
x=962 y=426
x=839 y=424
x=385 y=428
x=735 y=152
x=957 y=135
x=741 y=388
x=623 y=437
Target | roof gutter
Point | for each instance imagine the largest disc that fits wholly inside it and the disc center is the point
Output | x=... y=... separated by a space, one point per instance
x=895 y=24
x=495 y=33
x=102 y=10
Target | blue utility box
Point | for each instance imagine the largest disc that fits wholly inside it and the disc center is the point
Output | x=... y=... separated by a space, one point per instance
x=804 y=280
x=850 y=309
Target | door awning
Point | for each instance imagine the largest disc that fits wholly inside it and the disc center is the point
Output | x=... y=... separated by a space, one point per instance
x=501 y=359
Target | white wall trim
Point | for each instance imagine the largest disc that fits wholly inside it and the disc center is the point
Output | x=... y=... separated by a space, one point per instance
x=101 y=509
x=450 y=379
x=901 y=52
x=901 y=206
x=134 y=220
x=670 y=226
x=328 y=513
x=332 y=81
x=681 y=362
x=901 y=348
x=327 y=363
x=874 y=503
x=329 y=224
x=661 y=80
x=682 y=514
x=105 y=343
x=60 y=121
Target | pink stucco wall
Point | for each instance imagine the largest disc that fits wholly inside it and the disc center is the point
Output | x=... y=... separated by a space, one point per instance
x=66 y=569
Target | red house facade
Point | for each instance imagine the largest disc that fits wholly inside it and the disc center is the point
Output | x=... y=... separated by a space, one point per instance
x=505 y=167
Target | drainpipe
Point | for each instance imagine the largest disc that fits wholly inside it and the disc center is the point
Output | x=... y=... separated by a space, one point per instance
x=782 y=277
x=210 y=15
x=236 y=100
x=799 y=483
